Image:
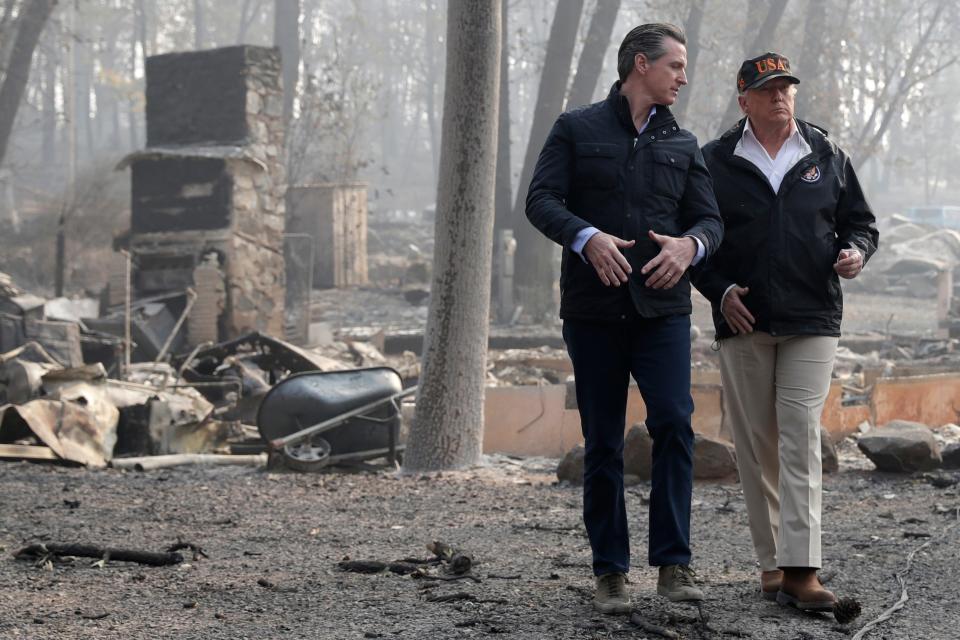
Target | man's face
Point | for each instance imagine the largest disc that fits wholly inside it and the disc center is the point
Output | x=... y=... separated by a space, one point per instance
x=770 y=104
x=664 y=76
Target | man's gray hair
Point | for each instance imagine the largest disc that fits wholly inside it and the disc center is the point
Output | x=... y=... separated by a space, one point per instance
x=648 y=40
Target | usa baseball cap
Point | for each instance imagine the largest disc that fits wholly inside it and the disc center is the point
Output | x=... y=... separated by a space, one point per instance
x=755 y=72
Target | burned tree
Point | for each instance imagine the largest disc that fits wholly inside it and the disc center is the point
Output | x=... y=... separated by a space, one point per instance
x=534 y=261
x=448 y=426
x=591 y=57
x=286 y=36
x=32 y=21
x=762 y=41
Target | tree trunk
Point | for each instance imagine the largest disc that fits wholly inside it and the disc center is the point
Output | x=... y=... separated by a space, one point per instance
x=286 y=36
x=8 y=26
x=692 y=30
x=31 y=24
x=814 y=37
x=49 y=117
x=504 y=188
x=243 y=25
x=591 y=56
x=199 y=28
x=432 y=83
x=448 y=426
x=534 y=256
x=83 y=79
x=762 y=42
x=139 y=36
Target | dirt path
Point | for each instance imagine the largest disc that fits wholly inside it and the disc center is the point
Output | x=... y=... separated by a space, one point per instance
x=274 y=540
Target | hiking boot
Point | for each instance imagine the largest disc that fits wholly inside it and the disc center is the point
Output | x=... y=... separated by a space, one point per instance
x=770 y=582
x=801 y=588
x=676 y=583
x=611 y=595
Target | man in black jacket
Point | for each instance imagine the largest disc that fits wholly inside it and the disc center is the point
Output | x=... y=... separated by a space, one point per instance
x=795 y=220
x=625 y=191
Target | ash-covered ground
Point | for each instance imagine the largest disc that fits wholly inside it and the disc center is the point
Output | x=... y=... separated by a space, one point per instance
x=274 y=541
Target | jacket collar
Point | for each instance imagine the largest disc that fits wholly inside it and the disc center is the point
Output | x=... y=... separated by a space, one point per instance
x=815 y=136
x=662 y=124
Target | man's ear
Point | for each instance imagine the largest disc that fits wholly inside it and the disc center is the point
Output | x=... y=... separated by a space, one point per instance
x=640 y=62
x=743 y=104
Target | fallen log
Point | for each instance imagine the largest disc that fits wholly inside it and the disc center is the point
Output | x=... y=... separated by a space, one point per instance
x=146 y=463
x=44 y=551
x=376 y=566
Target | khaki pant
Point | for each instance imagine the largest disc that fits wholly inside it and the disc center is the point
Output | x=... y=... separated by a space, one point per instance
x=774 y=389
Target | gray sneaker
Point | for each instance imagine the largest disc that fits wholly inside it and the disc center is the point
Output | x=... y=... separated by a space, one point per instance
x=611 y=595
x=676 y=583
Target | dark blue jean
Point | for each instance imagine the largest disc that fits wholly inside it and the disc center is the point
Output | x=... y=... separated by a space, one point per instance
x=656 y=352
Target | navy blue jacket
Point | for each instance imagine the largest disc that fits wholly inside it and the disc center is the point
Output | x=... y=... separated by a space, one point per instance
x=595 y=170
x=783 y=245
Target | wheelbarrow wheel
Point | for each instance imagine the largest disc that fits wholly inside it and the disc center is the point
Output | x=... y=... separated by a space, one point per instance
x=309 y=455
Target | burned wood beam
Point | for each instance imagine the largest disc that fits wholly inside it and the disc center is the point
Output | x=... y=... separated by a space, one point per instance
x=43 y=551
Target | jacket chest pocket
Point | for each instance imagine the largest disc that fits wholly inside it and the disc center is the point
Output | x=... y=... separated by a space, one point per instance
x=669 y=173
x=597 y=166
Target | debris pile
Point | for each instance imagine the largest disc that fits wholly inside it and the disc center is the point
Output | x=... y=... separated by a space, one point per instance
x=135 y=406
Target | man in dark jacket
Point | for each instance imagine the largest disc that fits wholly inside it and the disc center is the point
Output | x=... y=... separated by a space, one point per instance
x=625 y=191
x=795 y=220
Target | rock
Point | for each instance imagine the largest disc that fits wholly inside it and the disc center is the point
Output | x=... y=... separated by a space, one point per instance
x=571 y=467
x=416 y=297
x=901 y=446
x=713 y=459
x=951 y=456
x=368 y=354
x=828 y=452
x=695 y=333
x=637 y=451
x=630 y=480
x=942 y=479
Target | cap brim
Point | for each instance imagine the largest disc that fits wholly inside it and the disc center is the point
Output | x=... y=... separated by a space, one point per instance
x=773 y=76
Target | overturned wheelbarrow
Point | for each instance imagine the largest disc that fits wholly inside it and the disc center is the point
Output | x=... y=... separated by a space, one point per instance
x=318 y=418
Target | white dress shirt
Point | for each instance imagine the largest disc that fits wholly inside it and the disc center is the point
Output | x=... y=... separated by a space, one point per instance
x=791 y=152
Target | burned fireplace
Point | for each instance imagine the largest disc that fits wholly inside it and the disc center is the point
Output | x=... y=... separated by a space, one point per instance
x=207 y=194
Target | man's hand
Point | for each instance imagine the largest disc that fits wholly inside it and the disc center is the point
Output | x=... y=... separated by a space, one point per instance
x=849 y=264
x=603 y=252
x=736 y=314
x=669 y=265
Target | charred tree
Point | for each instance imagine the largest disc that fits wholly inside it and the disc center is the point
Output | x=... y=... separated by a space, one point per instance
x=31 y=23
x=199 y=26
x=448 y=425
x=810 y=97
x=504 y=185
x=591 y=56
x=763 y=39
x=534 y=258
x=48 y=118
x=692 y=31
x=286 y=36
x=431 y=84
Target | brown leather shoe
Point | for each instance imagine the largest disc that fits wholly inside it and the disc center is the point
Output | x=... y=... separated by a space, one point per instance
x=802 y=589
x=770 y=582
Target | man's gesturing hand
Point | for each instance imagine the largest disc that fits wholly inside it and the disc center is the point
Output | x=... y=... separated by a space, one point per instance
x=736 y=314
x=669 y=265
x=603 y=252
x=849 y=263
